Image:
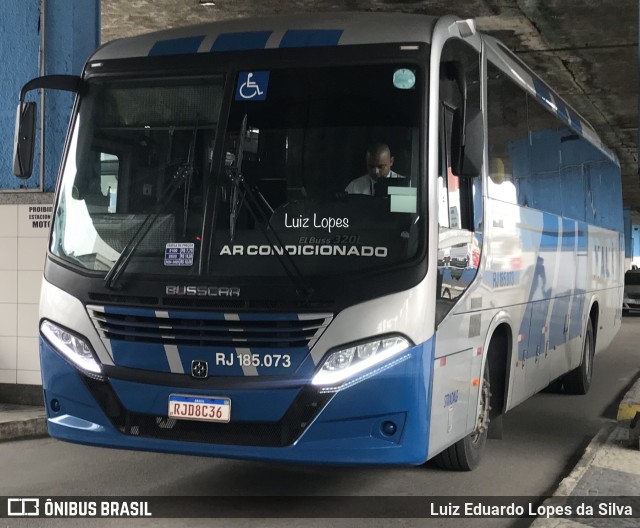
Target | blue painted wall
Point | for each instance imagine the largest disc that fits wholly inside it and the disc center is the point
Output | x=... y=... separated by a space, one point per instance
x=19 y=58
x=72 y=32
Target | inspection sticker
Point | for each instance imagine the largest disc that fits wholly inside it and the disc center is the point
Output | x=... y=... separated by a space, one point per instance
x=179 y=254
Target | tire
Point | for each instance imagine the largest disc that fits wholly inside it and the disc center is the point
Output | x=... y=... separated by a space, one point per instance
x=465 y=455
x=555 y=387
x=578 y=380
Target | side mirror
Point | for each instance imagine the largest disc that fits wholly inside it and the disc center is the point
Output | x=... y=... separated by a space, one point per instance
x=24 y=140
x=25 y=131
x=467 y=142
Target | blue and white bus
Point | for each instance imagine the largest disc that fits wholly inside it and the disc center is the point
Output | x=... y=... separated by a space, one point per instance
x=210 y=287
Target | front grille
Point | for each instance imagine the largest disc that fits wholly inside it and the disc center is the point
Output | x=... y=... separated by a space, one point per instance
x=284 y=432
x=209 y=303
x=209 y=329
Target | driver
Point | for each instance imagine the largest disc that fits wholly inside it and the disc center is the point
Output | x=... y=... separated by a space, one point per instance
x=379 y=163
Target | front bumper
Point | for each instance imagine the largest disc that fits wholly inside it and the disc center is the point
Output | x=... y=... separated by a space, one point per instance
x=272 y=422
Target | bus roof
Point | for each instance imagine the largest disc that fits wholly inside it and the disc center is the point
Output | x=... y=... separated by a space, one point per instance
x=288 y=31
x=332 y=29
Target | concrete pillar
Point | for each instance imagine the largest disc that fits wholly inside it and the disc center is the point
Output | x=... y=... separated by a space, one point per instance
x=70 y=31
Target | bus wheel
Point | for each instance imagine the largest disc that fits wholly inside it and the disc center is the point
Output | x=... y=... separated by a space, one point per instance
x=578 y=380
x=465 y=454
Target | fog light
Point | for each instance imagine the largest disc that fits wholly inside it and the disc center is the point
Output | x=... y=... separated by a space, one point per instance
x=388 y=428
x=55 y=405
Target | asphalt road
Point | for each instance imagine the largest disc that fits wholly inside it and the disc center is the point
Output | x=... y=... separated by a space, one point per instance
x=543 y=438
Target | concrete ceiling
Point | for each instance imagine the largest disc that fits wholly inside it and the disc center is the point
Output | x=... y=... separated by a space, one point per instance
x=586 y=49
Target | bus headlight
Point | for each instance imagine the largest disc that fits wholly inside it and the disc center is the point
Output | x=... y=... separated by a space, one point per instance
x=349 y=361
x=73 y=348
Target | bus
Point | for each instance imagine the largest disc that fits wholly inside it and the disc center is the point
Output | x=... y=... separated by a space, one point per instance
x=211 y=288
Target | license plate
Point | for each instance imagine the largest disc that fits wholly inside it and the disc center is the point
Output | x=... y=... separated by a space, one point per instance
x=203 y=408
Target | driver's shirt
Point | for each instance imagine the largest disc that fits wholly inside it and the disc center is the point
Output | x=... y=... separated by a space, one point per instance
x=366 y=184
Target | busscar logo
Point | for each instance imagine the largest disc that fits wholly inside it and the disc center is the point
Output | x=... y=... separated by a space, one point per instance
x=203 y=291
x=23 y=507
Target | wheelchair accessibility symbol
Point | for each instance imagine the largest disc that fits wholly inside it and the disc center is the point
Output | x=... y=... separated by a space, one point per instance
x=252 y=86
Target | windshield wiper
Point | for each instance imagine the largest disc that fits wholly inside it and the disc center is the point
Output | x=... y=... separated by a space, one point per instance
x=241 y=192
x=183 y=175
x=123 y=260
x=234 y=172
x=189 y=171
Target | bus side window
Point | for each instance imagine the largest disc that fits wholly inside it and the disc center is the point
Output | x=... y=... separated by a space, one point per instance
x=507 y=139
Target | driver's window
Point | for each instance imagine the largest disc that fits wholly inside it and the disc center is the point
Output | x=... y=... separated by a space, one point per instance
x=459 y=199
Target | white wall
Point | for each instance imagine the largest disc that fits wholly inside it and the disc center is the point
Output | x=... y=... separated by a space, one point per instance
x=24 y=231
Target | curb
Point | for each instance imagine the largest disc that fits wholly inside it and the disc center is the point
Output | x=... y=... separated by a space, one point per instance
x=630 y=404
x=624 y=427
x=35 y=427
x=21 y=421
x=629 y=414
x=569 y=483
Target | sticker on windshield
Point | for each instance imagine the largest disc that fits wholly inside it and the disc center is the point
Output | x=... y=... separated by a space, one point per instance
x=404 y=79
x=252 y=86
x=403 y=199
x=179 y=254
x=305 y=250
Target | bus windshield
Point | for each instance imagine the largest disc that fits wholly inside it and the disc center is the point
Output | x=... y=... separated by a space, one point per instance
x=317 y=169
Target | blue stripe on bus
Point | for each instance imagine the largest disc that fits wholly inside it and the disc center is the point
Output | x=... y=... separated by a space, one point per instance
x=206 y=316
x=583 y=236
x=241 y=41
x=562 y=111
x=549 y=239
x=535 y=313
x=577 y=307
x=542 y=92
x=177 y=46
x=557 y=335
x=303 y=38
x=145 y=356
x=575 y=121
x=568 y=234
